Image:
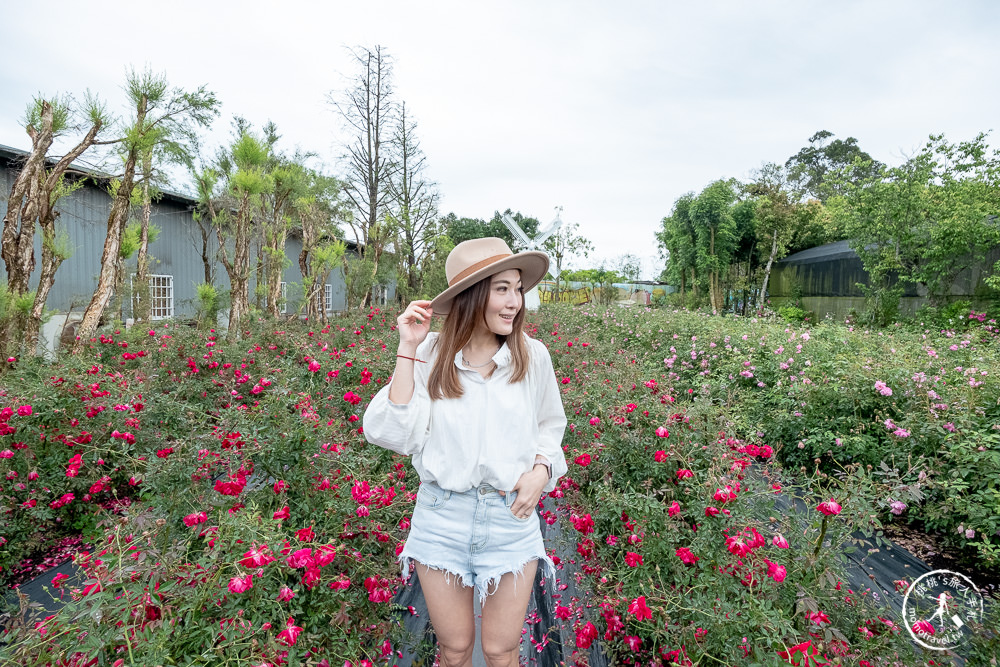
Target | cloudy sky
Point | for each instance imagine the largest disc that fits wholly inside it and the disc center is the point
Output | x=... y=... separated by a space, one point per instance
x=611 y=110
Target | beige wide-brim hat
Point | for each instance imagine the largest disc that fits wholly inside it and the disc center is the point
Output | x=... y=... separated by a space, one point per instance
x=471 y=261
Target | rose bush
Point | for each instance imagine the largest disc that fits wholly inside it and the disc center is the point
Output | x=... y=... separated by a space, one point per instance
x=684 y=531
x=233 y=512
x=231 y=506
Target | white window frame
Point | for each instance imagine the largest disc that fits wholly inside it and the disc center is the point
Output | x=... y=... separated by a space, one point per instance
x=328 y=298
x=380 y=295
x=161 y=296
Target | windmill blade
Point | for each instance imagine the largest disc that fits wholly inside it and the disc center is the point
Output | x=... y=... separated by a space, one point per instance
x=549 y=230
x=517 y=231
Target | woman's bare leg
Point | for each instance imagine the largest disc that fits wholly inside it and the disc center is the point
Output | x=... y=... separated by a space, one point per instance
x=503 y=617
x=452 y=616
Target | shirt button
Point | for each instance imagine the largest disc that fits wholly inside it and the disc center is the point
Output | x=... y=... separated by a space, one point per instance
x=482 y=492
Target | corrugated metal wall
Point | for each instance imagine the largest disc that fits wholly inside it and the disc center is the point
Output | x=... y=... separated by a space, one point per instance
x=175 y=252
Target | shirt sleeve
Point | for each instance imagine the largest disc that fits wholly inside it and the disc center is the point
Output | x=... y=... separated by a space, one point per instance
x=551 y=415
x=402 y=428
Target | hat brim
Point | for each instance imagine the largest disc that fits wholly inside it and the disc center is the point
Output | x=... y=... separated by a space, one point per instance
x=532 y=264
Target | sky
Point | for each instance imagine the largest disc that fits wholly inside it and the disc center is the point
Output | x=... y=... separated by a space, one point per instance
x=610 y=110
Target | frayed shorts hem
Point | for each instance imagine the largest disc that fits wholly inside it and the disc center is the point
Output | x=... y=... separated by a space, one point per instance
x=486 y=584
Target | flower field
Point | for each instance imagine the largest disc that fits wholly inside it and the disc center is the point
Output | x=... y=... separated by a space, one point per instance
x=232 y=513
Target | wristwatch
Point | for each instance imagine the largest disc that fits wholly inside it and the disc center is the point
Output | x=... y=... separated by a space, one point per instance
x=544 y=462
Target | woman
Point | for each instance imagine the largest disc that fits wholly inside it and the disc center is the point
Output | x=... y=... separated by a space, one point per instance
x=478 y=409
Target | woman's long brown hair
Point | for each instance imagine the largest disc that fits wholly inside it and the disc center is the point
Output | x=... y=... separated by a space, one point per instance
x=467 y=310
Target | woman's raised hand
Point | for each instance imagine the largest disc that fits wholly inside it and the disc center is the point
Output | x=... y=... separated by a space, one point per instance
x=413 y=324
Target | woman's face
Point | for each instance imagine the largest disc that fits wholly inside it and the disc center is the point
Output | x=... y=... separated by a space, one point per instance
x=505 y=301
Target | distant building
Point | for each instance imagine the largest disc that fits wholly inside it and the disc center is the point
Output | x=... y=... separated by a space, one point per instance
x=176 y=256
x=825 y=279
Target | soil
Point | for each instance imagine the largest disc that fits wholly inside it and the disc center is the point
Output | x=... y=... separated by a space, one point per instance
x=931 y=549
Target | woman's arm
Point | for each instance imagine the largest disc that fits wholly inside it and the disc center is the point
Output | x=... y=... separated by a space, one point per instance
x=413 y=324
x=551 y=417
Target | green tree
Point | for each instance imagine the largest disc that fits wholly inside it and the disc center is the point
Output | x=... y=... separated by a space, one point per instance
x=231 y=195
x=34 y=194
x=414 y=209
x=810 y=170
x=563 y=244
x=775 y=219
x=162 y=118
x=678 y=243
x=463 y=229
x=926 y=220
x=290 y=183
x=317 y=214
x=716 y=233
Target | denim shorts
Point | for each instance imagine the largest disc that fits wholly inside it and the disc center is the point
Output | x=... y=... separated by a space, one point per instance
x=472 y=535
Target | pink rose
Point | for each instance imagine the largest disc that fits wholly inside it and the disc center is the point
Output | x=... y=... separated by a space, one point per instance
x=241 y=584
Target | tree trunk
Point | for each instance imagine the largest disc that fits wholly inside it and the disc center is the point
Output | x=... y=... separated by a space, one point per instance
x=46 y=279
x=141 y=300
x=767 y=270
x=307 y=278
x=18 y=237
x=239 y=269
x=110 y=257
x=205 y=259
x=275 y=261
x=32 y=199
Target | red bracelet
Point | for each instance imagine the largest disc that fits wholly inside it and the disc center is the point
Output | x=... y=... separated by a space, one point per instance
x=403 y=356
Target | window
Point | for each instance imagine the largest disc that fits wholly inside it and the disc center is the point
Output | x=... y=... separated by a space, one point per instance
x=284 y=299
x=328 y=298
x=380 y=294
x=161 y=296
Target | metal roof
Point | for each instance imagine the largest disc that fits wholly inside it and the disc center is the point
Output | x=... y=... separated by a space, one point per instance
x=839 y=250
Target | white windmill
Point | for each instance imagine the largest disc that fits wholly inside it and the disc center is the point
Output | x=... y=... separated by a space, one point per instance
x=531 y=300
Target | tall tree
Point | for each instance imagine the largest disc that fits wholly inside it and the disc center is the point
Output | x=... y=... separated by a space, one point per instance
x=413 y=209
x=715 y=229
x=290 y=182
x=678 y=243
x=316 y=214
x=162 y=117
x=563 y=244
x=368 y=111
x=774 y=220
x=810 y=170
x=36 y=190
x=245 y=181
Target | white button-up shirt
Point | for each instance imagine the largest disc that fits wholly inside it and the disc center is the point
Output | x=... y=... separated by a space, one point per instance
x=491 y=434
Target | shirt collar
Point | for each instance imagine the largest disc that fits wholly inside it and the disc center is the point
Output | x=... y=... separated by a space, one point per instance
x=502 y=358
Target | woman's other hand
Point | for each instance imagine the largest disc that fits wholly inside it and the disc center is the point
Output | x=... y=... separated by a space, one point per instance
x=529 y=490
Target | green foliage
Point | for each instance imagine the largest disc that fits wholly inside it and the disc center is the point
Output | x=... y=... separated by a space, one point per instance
x=793 y=313
x=814 y=168
x=250 y=156
x=435 y=280
x=62 y=114
x=464 y=229
x=208 y=303
x=132 y=238
x=928 y=219
x=678 y=243
x=5 y=300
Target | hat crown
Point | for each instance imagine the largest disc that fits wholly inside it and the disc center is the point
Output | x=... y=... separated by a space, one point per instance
x=473 y=255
